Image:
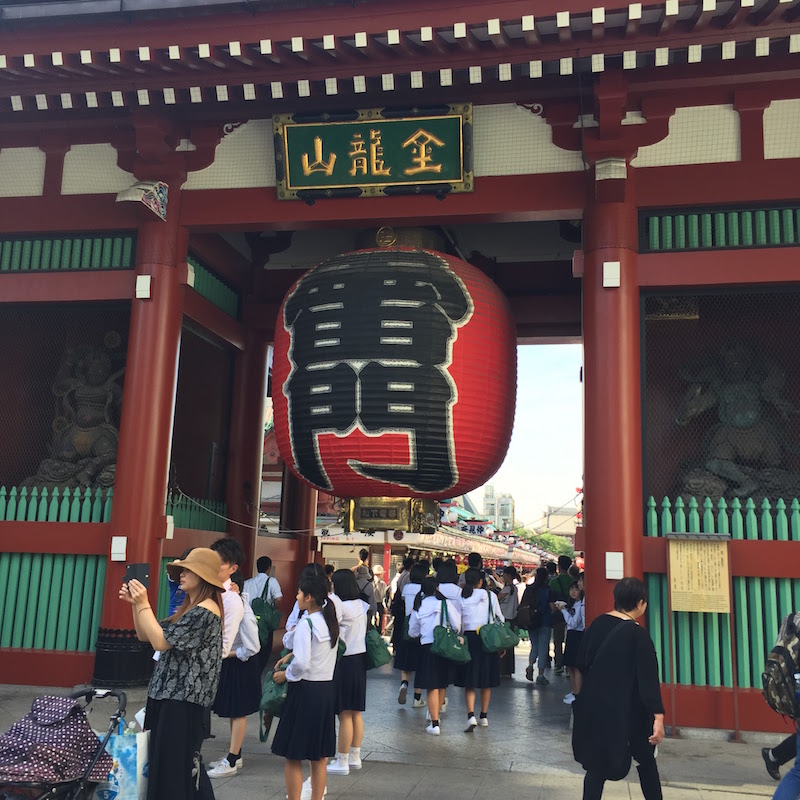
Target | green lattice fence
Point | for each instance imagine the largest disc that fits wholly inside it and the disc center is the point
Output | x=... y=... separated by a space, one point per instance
x=50 y=602
x=196 y=513
x=82 y=252
x=208 y=285
x=707 y=229
x=701 y=642
x=65 y=505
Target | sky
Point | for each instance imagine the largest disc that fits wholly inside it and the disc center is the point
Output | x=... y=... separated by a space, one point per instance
x=544 y=463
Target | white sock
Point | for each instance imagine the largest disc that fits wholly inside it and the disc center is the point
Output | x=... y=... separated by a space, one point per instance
x=341 y=757
x=355 y=751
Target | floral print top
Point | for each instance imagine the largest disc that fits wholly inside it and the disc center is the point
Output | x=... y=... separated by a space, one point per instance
x=189 y=670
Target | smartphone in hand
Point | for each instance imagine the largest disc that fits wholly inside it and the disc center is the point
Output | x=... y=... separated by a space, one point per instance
x=138 y=572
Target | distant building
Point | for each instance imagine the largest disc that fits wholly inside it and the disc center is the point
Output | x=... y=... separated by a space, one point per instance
x=504 y=512
x=489 y=506
x=560 y=521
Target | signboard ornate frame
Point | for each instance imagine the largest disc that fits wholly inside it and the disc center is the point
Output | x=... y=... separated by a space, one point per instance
x=374 y=152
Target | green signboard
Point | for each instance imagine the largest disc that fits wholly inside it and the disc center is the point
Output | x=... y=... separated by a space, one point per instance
x=374 y=153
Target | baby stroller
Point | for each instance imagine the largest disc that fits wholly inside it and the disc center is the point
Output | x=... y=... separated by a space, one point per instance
x=64 y=760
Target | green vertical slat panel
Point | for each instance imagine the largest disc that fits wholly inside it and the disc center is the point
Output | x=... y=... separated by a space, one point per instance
x=86 y=254
x=87 y=597
x=733 y=229
x=742 y=631
x=774 y=223
x=97 y=608
x=654 y=618
x=785 y=604
x=97 y=253
x=787 y=223
x=680 y=231
x=127 y=251
x=714 y=661
x=747 y=228
x=761 y=227
x=47 y=253
x=5 y=570
x=698 y=648
x=706 y=237
x=36 y=254
x=5 y=256
x=106 y=257
x=66 y=254
x=97 y=505
x=9 y=613
x=116 y=252
x=16 y=254
x=796 y=591
x=720 y=239
x=76 y=257
x=32 y=603
x=162 y=605
x=73 y=629
x=64 y=597
x=45 y=588
x=666 y=236
x=653 y=235
x=53 y=603
x=727 y=657
x=57 y=254
x=25 y=258
x=757 y=638
x=771 y=619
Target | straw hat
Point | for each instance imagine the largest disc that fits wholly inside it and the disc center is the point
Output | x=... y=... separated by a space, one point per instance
x=378 y=569
x=203 y=562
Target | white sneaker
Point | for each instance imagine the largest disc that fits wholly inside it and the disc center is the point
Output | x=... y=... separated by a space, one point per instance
x=339 y=766
x=444 y=706
x=433 y=730
x=472 y=723
x=305 y=792
x=569 y=698
x=223 y=769
x=483 y=722
x=427 y=715
x=418 y=703
x=354 y=760
x=212 y=764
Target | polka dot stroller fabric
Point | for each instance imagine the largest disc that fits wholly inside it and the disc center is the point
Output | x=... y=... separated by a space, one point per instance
x=52 y=744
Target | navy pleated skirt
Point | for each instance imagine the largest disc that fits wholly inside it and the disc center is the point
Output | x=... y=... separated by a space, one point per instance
x=483 y=671
x=307 y=727
x=406 y=654
x=351 y=683
x=239 y=690
x=433 y=672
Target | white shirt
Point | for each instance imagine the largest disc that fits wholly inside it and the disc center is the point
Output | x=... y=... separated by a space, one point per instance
x=314 y=658
x=234 y=611
x=354 y=626
x=254 y=586
x=429 y=615
x=575 y=617
x=452 y=593
x=294 y=618
x=246 y=642
x=475 y=609
x=410 y=591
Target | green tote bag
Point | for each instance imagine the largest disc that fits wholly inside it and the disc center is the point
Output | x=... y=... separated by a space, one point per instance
x=497 y=636
x=447 y=643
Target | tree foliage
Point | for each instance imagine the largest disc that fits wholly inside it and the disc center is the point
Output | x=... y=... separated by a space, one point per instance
x=557 y=545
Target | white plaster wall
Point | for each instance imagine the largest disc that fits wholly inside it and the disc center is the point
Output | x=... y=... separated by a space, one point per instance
x=698 y=135
x=509 y=140
x=21 y=172
x=92 y=169
x=244 y=159
x=782 y=129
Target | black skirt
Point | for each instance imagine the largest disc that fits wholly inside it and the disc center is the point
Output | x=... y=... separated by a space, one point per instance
x=406 y=654
x=351 y=683
x=571 y=648
x=433 y=672
x=176 y=734
x=483 y=671
x=239 y=690
x=507 y=656
x=307 y=727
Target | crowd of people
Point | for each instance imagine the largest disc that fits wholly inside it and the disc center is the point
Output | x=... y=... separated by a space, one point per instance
x=210 y=655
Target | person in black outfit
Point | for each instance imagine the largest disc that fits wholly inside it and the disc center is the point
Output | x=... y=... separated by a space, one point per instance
x=776 y=757
x=618 y=709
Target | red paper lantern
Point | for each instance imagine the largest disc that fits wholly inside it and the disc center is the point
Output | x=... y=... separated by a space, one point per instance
x=394 y=375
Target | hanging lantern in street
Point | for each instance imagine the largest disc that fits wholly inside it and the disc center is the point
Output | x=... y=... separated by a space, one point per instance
x=394 y=375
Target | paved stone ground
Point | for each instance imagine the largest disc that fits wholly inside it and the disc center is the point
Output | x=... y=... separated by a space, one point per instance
x=524 y=752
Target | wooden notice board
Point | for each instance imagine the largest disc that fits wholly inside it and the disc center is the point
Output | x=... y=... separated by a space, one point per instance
x=699 y=575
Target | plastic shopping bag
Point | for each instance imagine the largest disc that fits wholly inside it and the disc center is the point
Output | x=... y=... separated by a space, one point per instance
x=128 y=777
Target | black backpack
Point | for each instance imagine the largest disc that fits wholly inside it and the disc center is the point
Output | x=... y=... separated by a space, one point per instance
x=529 y=613
x=783 y=661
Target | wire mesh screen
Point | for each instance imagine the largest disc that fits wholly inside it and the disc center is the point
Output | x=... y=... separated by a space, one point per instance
x=202 y=415
x=722 y=397
x=61 y=381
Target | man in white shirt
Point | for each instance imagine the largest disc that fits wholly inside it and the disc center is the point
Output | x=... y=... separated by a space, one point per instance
x=254 y=587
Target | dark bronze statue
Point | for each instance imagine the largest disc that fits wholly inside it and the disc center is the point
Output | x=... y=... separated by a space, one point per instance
x=744 y=452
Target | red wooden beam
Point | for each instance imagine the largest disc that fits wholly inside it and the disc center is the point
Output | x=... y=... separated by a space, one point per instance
x=749 y=557
x=58 y=668
x=78 y=538
x=213 y=319
x=497 y=199
x=63 y=287
x=225 y=260
x=92 y=212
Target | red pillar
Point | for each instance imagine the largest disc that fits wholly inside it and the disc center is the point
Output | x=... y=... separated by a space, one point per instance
x=246 y=445
x=299 y=517
x=612 y=509
x=145 y=440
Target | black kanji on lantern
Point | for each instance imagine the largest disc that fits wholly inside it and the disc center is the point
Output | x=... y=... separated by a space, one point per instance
x=371 y=340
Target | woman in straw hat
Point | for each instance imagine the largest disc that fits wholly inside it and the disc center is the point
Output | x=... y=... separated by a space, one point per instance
x=186 y=675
